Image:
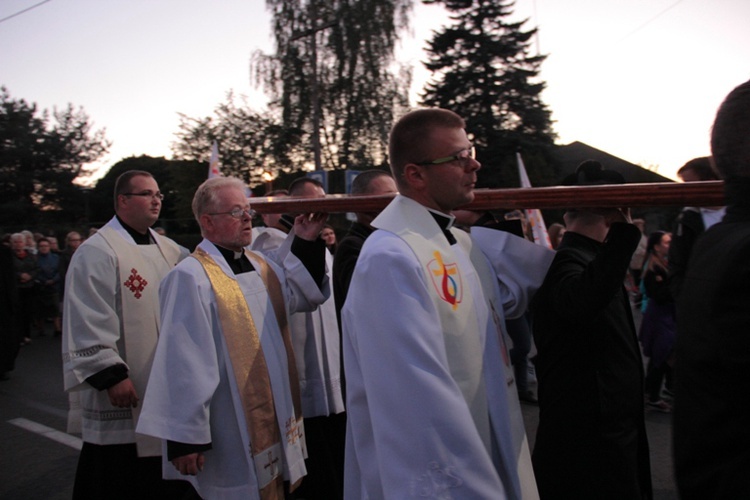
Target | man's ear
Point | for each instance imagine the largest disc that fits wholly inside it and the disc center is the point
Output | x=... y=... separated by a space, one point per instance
x=414 y=175
x=206 y=222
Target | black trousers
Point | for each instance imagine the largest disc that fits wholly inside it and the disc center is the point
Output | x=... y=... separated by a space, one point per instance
x=116 y=471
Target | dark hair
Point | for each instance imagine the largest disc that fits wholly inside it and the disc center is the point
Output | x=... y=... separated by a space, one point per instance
x=701 y=167
x=299 y=183
x=591 y=172
x=653 y=240
x=730 y=136
x=409 y=138
x=361 y=183
x=122 y=184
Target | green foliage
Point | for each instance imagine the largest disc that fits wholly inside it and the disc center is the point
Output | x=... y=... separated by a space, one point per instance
x=482 y=70
x=249 y=141
x=39 y=160
x=340 y=52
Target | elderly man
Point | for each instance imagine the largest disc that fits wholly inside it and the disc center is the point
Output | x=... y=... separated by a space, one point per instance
x=225 y=390
x=711 y=440
x=110 y=328
x=431 y=401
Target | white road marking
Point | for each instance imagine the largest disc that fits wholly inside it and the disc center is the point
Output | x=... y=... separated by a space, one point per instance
x=48 y=432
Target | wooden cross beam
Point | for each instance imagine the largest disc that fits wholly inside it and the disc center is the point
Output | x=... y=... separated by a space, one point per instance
x=663 y=194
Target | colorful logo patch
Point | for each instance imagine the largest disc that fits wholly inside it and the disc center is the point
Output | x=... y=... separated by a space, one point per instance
x=446 y=279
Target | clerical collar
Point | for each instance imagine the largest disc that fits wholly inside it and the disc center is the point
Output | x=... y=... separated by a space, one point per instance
x=446 y=223
x=140 y=239
x=238 y=261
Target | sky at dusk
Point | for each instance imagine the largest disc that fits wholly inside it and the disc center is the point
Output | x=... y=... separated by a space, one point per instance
x=640 y=79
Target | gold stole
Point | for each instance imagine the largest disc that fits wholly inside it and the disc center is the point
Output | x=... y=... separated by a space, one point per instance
x=249 y=363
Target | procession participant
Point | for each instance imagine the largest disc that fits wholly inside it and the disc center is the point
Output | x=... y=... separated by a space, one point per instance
x=224 y=391
x=110 y=328
x=711 y=439
x=591 y=441
x=431 y=403
x=317 y=345
x=371 y=183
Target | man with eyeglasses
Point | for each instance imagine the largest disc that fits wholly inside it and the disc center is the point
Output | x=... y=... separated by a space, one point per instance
x=110 y=329
x=431 y=405
x=224 y=388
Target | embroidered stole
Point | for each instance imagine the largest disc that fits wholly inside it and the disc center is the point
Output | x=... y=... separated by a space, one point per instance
x=251 y=371
x=141 y=268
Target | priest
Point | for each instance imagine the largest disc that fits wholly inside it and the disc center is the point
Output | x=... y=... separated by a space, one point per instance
x=225 y=394
x=110 y=329
x=431 y=400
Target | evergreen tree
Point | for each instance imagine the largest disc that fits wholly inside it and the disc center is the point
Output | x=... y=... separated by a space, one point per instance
x=483 y=71
x=40 y=159
x=338 y=53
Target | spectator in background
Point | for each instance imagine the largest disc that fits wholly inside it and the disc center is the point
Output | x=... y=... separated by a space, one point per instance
x=48 y=297
x=712 y=379
x=53 y=244
x=30 y=241
x=73 y=240
x=657 y=333
x=26 y=269
x=691 y=222
x=329 y=237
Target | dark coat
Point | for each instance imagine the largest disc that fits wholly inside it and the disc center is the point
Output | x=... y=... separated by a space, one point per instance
x=347 y=253
x=712 y=371
x=591 y=441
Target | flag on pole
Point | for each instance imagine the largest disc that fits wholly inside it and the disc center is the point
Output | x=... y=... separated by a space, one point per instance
x=534 y=215
x=213 y=162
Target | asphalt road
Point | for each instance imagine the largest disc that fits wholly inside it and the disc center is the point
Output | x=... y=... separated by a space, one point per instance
x=35 y=464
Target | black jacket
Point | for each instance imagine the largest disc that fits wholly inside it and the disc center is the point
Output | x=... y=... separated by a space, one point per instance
x=712 y=372
x=591 y=441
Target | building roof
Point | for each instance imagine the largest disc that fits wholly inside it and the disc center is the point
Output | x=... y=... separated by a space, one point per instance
x=568 y=157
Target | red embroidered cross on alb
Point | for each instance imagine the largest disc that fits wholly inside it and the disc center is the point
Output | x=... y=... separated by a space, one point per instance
x=136 y=283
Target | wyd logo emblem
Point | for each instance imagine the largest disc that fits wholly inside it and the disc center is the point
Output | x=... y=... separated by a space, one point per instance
x=447 y=280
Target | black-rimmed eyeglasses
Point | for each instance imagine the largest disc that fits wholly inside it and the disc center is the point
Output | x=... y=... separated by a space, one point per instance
x=145 y=194
x=462 y=156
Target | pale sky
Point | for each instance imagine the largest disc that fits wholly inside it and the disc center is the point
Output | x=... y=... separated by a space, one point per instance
x=640 y=79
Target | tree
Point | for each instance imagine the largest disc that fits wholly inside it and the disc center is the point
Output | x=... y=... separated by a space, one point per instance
x=249 y=142
x=331 y=76
x=40 y=160
x=482 y=70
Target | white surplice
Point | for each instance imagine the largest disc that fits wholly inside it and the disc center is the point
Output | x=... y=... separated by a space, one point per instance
x=315 y=338
x=412 y=427
x=110 y=317
x=193 y=397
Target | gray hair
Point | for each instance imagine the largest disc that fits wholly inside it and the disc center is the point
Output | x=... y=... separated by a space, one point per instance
x=206 y=197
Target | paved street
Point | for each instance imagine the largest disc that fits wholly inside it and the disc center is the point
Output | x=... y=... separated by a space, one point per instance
x=34 y=464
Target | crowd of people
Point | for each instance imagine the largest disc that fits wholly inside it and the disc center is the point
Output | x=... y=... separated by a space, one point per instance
x=39 y=266
x=277 y=362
